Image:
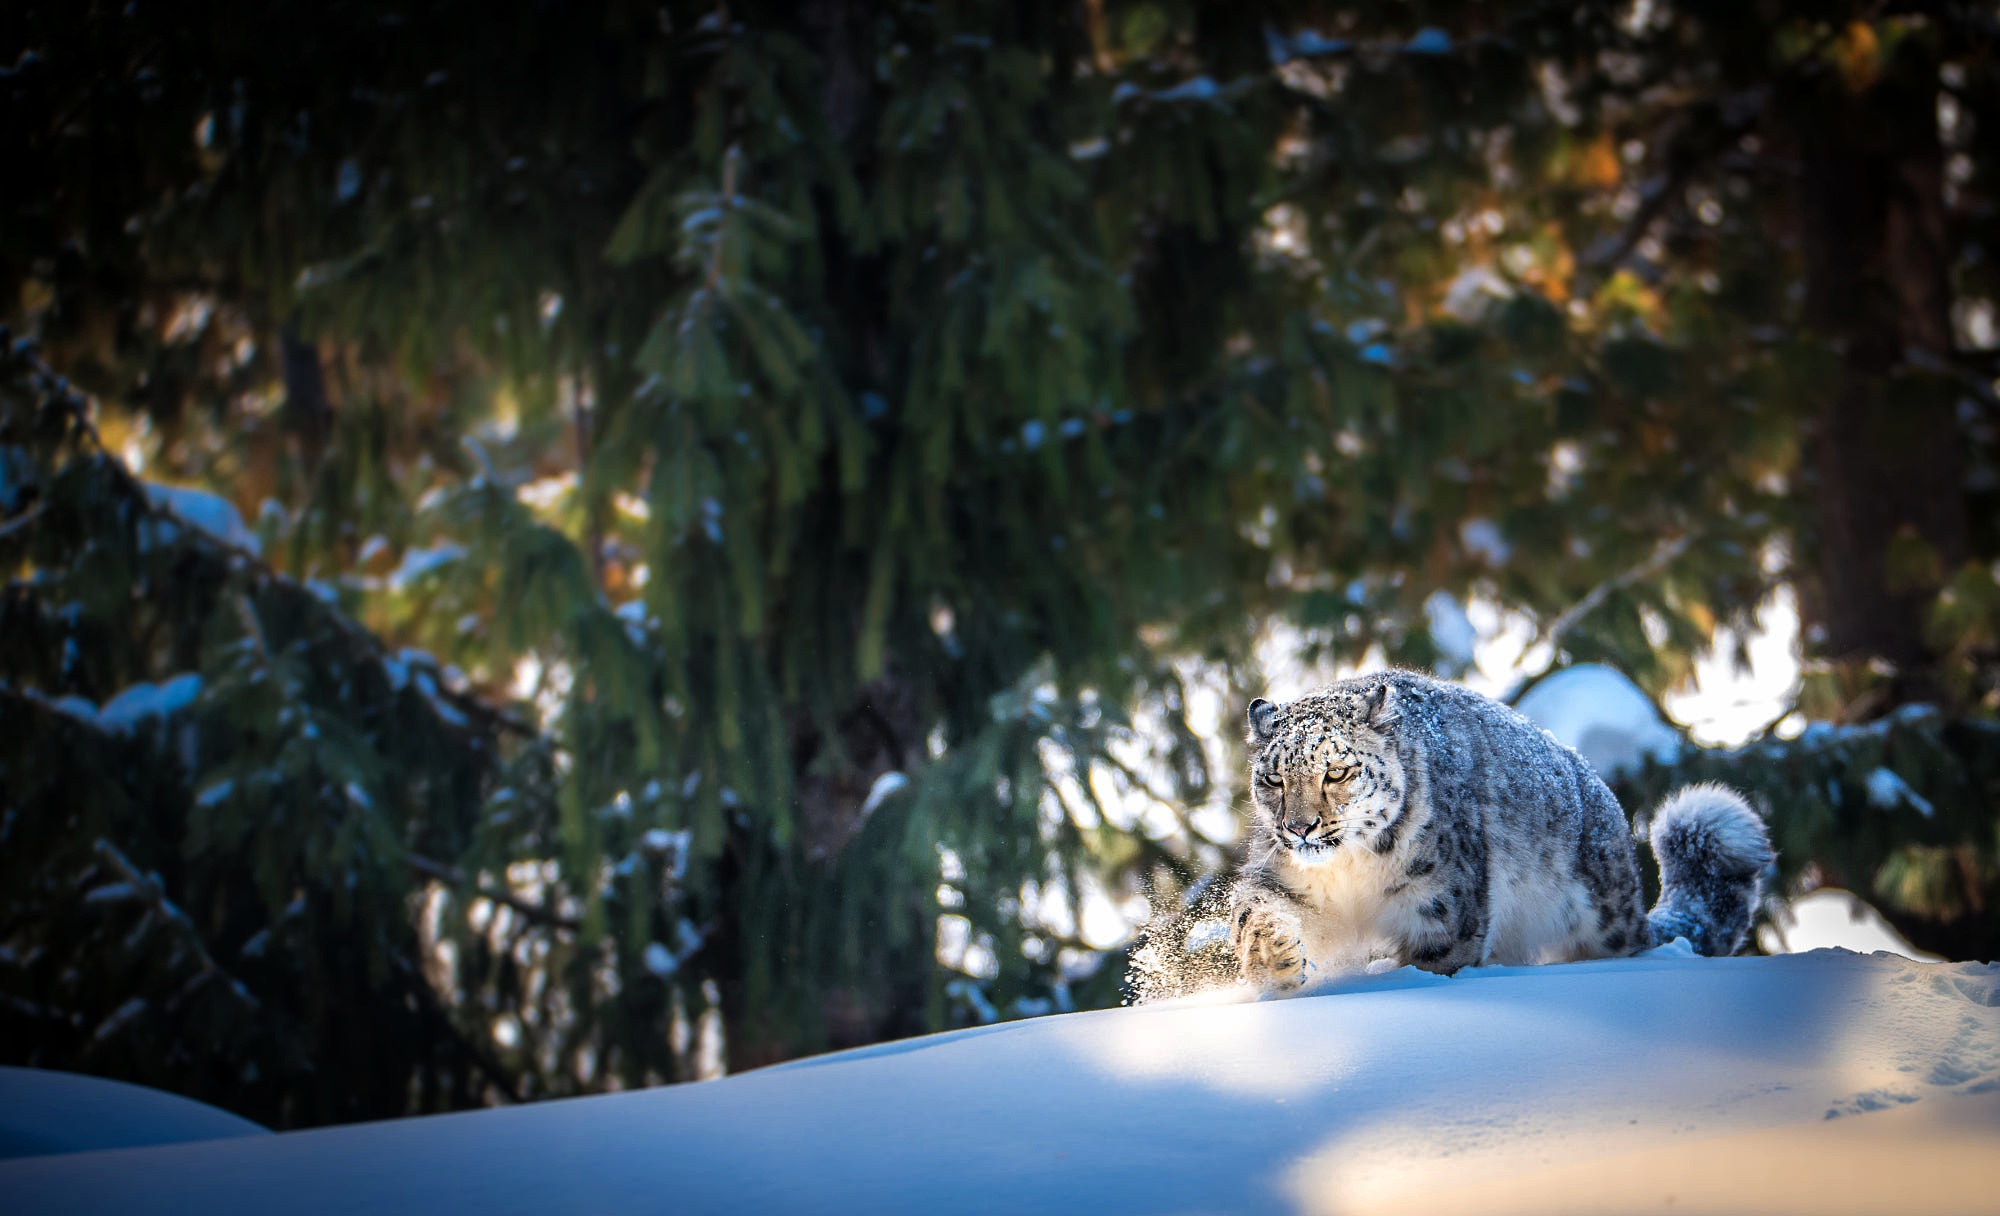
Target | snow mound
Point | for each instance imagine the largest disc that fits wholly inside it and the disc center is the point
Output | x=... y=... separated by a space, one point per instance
x=43 y=1113
x=1603 y=715
x=1822 y=1082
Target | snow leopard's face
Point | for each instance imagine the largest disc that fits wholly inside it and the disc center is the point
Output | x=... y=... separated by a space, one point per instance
x=1324 y=774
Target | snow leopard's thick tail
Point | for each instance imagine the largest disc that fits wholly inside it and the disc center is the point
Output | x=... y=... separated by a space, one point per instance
x=1713 y=851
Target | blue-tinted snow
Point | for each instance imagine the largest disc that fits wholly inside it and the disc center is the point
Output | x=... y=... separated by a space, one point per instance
x=1451 y=633
x=1473 y=291
x=144 y=701
x=1602 y=714
x=347 y=183
x=1887 y=791
x=660 y=840
x=660 y=960
x=1429 y=41
x=1808 y=1083
x=885 y=785
x=419 y=563
x=1483 y=538
x=120 y=1018
x=1200 y=88
x=445 y=710
x=52 y=1112
x=1302 y=45
x=15 y=470
x=204 y=512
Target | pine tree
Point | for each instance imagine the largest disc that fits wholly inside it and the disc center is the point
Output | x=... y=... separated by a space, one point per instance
x=821 y=443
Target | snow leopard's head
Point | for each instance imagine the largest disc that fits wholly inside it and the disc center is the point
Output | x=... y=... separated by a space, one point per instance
x=1324 y=772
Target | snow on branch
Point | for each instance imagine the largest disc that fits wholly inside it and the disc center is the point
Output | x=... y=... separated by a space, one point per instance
x=148 y=887
x=459 y=880
x=1663 y=555
x=206 y=522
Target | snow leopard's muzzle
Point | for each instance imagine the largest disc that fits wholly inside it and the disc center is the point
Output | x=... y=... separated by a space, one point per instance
x=1313 y=839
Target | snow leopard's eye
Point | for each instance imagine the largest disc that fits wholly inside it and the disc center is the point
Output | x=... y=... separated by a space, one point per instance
x=1274 y=781
x=1339 y=776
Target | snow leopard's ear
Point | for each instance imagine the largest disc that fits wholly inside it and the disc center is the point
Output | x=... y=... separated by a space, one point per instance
x=1378 y=707
x=1263 y=720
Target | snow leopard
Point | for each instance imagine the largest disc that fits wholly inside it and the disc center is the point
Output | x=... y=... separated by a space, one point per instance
x=1399 y=817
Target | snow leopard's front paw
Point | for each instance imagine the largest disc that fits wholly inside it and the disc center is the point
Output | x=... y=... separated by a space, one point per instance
x=1268 y=951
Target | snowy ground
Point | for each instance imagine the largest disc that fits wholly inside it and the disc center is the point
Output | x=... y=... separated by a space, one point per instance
x=1825 y=1082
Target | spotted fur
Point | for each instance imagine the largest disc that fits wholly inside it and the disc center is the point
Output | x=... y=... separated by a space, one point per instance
x=1398 y=817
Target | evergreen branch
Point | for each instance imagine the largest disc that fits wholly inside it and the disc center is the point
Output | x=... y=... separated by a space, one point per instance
x=150 y=887
x=458 y=879
x=1973 y=370
x=426 y=996
x=1656 y=199
x=1663 y=554
x=1138 y=782
x=730 y=160
x=21 y=521
x=252 y=630
x=1653 y=203
x=252 y=565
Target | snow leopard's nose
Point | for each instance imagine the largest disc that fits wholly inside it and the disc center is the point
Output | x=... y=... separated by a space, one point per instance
x=1301 y=828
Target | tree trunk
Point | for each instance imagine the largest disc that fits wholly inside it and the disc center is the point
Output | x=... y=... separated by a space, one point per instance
x=308 y=411
x=1885 y=467
x=882 y=732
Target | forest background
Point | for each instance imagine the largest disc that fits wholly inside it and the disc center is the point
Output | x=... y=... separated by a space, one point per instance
x=553 y=548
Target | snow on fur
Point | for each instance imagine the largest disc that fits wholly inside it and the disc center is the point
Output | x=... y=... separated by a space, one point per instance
x=1712 y=850
x=1708 y=827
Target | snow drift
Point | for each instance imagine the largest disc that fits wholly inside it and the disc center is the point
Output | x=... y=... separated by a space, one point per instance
x=1823 y=1082
x=42 y=1113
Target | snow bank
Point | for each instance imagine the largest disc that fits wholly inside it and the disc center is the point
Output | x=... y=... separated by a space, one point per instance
x=43 y=1113
x=1823 y=1082
x=1602 y=714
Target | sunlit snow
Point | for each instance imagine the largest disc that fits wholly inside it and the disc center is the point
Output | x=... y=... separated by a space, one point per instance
x=1806 y=1083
